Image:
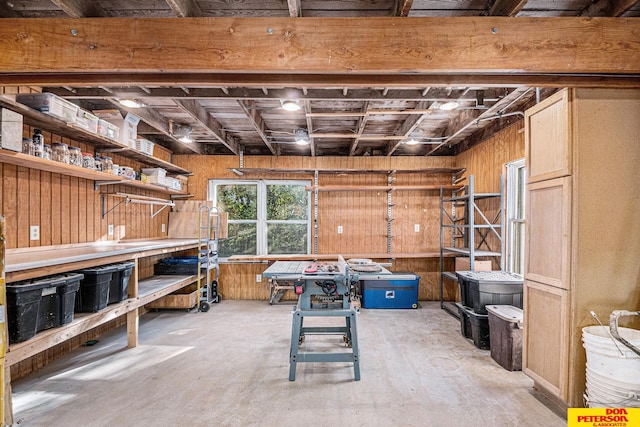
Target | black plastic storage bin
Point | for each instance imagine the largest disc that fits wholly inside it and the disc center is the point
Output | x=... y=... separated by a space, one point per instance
x=181 y=266
x=119 y=285
x=465 y=322
x=94 y=289
x=491 y=288
x=480 y=329
x=67 y=292
x=506 y=327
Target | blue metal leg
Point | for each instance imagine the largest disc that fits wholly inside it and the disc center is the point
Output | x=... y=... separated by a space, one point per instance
x=353 y=328
x=295 y=343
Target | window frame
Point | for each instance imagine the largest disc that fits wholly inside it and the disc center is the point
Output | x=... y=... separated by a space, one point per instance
x=515 y=191
x=261 y=221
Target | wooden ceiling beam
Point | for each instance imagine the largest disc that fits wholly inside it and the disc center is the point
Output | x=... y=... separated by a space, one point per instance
x=213 y=128
x=402 y=7
x=257 y=122
x=80 y=8
x=507 y=7
x=8 y=11
x=184 y=8
x=608 y=7
x=465 y=45
x=362 y=122
x=295 y=8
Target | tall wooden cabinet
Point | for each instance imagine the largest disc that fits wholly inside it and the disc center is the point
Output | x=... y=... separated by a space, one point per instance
x=583 y=228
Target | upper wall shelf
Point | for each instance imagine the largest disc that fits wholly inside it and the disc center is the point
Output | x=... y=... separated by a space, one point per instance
x=346 y=171
x=52 y=124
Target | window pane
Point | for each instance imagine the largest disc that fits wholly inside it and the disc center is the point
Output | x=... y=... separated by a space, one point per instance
x=286 y=202
x=241 y=241
x=518 y=254
x=287 y=238
x=521 y=185
x=240 y=201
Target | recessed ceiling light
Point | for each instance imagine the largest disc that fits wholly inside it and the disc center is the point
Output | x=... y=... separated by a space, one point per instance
x=412 y=141
x=186 y=139
x=291 y=105
x=451 y=105
x=131 y=103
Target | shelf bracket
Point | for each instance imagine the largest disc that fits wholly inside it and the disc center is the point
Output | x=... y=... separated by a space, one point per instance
x=136 y=199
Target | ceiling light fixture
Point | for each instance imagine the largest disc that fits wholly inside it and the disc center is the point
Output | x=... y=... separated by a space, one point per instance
x=131 y=103
x=291 y=105
x=302 y=137
x=451 y=105
x=412 y=141
x=181 y=132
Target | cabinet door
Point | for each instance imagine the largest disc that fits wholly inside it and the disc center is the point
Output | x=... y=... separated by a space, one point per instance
x=546 y=341
x=547 y=138
x=548 y=232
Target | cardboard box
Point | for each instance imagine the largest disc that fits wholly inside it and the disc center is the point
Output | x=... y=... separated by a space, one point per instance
x=463 y=264
x=10 y=130
x=185 y=225
x=128 y=125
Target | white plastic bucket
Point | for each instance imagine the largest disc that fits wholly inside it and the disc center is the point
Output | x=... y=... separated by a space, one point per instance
x=613 y=371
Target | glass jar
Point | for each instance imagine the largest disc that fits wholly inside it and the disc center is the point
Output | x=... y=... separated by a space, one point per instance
x=28 y=147
x=60 y=153
x=115 y=170
x=97 y=163
x=48 y=153
x=107 y=164
x=75 y=156
x=38 y=143
x=87 y=161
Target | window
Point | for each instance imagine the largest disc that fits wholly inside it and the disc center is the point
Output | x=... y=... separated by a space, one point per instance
x=265 y=217
x=515 y=193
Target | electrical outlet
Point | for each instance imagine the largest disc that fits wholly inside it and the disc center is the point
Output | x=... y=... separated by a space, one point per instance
x=416 y=228
x=258 y=278
x=164 y=228
x=110 y=229
x=339 y=229
x=34 y=232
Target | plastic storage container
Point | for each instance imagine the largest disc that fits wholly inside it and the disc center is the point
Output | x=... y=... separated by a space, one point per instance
x=398 y=290
x=181 y=266
x=465 y=322
x=491 y=288
x=50 y=104
x=505 y=335
x=37 y=305
x=119 y=284
x=94 y=289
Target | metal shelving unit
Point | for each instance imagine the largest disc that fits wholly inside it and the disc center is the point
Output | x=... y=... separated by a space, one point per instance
x=465 y=230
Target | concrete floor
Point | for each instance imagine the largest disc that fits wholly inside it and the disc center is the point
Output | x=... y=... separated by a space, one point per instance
x=229 y=367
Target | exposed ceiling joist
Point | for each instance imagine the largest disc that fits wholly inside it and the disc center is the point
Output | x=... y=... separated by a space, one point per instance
x=402 y=7
x=362 y=122
x=407 y=127
x=154 y=119
x=80 y=8
x=308 y=112
x=257 y=121
x=184 y=8
x=507 y=7
x=608 y=7
x=7 y=10
x=295 y=8
x=197 y=112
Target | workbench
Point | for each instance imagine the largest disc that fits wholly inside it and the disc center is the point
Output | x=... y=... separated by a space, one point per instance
x=29 y=263
x=323 y=290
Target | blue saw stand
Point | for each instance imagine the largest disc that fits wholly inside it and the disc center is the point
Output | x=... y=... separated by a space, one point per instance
x=323 y=290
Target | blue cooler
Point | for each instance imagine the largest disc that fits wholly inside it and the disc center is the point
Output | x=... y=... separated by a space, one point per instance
x=396 y=290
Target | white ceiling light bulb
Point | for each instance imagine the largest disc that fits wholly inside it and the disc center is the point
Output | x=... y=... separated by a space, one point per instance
x=451 y=105
x=130 y=103
x=412 y=141
x=290 y=105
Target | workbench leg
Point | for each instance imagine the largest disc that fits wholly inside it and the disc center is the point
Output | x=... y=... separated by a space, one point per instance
x=295 y=342
x=132 y=328
x=353 y=327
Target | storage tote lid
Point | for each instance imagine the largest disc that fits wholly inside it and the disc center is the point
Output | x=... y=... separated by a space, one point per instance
x=32 y=285
x=506 y=312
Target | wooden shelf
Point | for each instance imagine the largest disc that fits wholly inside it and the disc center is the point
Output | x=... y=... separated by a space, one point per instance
x=52 y=124
x=346 y=171
x=145 y=186
x=152 y=289
x=33 y=162
x=382 y=188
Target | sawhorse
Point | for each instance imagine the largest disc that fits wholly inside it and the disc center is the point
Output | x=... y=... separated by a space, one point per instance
x=349 y=332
